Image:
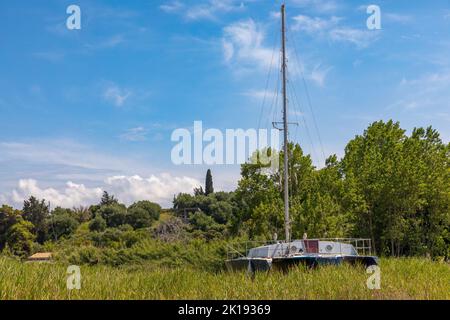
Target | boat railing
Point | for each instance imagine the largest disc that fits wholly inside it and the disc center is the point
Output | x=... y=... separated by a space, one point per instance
x=241 y=249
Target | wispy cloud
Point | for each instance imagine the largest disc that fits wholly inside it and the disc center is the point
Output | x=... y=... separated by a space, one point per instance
x=313 y=25
x=60 y=152
x=135 y=134
x=208 y=10
x=110 y=42
x=320 y=6
x=172 y=7
x=429 y=91
x=319 y=74
x=333 y=29
x=243 y=45
x=256 y=94
x=244 y=50
x=116 y=95
x=360 y=38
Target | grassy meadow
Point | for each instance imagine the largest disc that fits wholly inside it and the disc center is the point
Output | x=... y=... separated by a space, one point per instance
x=410 y=278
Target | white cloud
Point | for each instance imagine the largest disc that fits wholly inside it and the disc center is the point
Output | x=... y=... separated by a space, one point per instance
x=135 y=134
x=243 y=45
x=275 y=15
x=228 y=50
x=314 y=25
x=158 y=188
x=208 y=10
x=60 y=152
x=319 y=74
x=116 y=95
x=172 y=7
x=360 y=38
x=428 y=91
x=321 y=6
x=73 y=195
x=244 y=49
x=128 y=189
x=257 y=94
x=333 y=29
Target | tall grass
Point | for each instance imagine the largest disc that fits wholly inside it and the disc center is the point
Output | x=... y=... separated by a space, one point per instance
x=400 y=279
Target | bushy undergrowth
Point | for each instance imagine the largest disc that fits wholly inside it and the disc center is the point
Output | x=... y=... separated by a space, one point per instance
x=197 y=254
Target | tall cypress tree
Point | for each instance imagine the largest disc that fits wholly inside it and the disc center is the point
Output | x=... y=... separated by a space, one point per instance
x=209 y=183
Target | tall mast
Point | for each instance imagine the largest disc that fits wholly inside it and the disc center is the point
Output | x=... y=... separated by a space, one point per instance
x=285 y=127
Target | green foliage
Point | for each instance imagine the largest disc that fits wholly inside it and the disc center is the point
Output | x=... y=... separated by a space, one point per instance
x=390 y=187
x=108 y=200
x=209 y=188
x=62 y=223
x=114 y=214
x=8 y=217
x=20 y=238
x=82 y=214
x=37 y=212
x=115 y=238
x=402 y=279
x=209 y=216
x=116 y=248
x=142 y=214
x=98 y=224
x=205 y=226
x=404 y=184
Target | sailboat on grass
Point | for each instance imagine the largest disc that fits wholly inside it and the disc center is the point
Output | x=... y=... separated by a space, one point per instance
x=310 y=252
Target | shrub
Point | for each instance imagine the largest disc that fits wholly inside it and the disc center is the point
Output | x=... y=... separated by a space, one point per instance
x=114 y=215
x=143 y=213
x=97 y=224
x=20 y=238
x=62 y=225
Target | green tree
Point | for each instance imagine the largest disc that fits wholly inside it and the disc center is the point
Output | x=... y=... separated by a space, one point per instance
x=401 y=187
x=114 y=215
x=209 y=188
x=257 y=190
x=37 y=212
x=108 y=200
x=20 y=238
x=8 y=217
x=82 y=214
x=62 y=223
x=98 y=224
x=142 y=214
x=204 y=226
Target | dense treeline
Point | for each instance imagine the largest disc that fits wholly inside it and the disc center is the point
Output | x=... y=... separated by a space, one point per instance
x=390 y=187
x=27 y=230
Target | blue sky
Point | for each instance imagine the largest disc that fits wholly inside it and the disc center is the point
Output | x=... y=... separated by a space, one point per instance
x=93 y=109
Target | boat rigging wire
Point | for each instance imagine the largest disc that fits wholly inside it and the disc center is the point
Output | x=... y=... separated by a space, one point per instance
x=297 y=114
x=268 y=79
x=308 y=97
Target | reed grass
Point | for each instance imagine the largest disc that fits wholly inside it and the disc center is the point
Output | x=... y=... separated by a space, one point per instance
x=410 y=278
